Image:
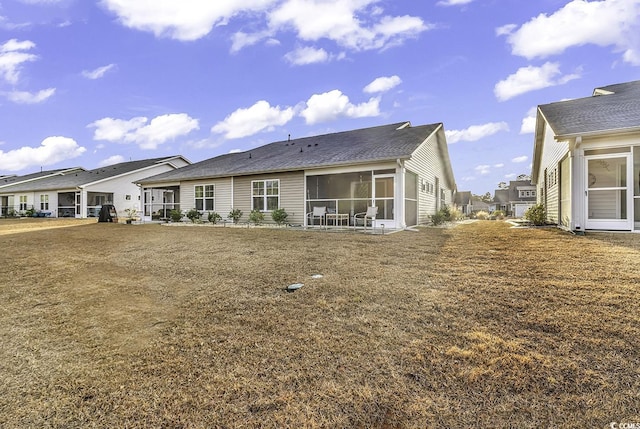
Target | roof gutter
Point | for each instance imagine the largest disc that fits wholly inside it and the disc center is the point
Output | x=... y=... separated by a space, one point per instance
x=598 y=133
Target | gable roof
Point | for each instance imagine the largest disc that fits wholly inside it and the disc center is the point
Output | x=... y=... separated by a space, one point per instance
x=77 y=178
x=613 y=108
x=10 y=180
x=366 y=145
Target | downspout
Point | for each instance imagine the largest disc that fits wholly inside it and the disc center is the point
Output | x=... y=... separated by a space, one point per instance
x=400 y=220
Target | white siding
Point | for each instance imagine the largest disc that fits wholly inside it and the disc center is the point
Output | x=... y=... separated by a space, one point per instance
x=427 y=163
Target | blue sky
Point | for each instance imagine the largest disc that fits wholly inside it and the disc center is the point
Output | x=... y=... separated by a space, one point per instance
x=91 y=83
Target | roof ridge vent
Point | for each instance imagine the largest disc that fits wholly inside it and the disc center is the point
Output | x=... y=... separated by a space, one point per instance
x=405 y=125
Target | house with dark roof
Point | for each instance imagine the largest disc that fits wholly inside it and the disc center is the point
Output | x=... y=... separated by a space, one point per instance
x=401 y=169
x=515 y=198
x=80 y=193
x=586 y=160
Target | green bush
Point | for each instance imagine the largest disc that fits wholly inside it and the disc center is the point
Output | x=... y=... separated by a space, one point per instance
x=235 y=215
x=536 y=215
x=214 y=217
x=194 y=215
x=446 y=213
x=256 y=217
x=175 y=215
x=443 y=215
x=279 y=216
x=30 y=212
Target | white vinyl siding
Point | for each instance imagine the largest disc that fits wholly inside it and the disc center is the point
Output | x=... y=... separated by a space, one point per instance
x=552 y=154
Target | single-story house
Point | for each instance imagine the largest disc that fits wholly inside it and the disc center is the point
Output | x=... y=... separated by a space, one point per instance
x=80 y=193
x=468 y=203
x=586 y=160
x=401 y=169
x=7 y=203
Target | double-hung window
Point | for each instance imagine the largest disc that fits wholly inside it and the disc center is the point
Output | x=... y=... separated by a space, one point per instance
x=44 y=202
x=204 y=199
x=23 y=202
x=265 y=195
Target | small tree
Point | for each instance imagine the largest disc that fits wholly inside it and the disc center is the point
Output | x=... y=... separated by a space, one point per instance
x=235 y=215
x=536 y=215
x=194 y=215
x=256 y=217
x=279 y=216
x=175 y=215
x=214 y=217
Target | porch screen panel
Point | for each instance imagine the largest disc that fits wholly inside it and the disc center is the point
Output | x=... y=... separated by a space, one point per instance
x=340 y=193
x=411 y=199
x=607 y=181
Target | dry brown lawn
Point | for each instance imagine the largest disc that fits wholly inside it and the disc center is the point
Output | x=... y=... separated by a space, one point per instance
x=481 y=325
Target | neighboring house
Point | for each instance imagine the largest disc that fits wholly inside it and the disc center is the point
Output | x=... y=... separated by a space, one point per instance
x=7 y=201
x=80 y=193
x=515 y=198
x=586 y=160
x=468 y=203
x=403 y=170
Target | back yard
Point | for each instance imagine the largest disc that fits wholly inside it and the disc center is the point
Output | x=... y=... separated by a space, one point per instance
x=109 y=325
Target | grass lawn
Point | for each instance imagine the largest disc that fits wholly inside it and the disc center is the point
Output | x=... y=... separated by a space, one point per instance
x=481 y=325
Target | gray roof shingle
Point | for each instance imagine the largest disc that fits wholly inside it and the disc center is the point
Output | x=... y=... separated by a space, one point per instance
x=617 y=109
x=381 y=143
x=78 y=178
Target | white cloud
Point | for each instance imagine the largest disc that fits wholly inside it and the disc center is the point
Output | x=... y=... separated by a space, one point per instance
x=97 y=73
x=483 y=170
x=183 y=20
x=453 y=2
x=334 y=104
x=51 y=151
x=259 y=117
x=475 y=132
x=529 y=122
x=146 y=134
x=23 y=97
x=531 y=78
x=349 y=23
x=498 y=165
x=115 y=159
x=12 y=56
x=603 y=23
x=383 y=84
x=307 y=55
x=520 y=159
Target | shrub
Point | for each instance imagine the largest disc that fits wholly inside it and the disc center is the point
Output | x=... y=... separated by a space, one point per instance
x=446 y=213
x=256 y=217
x=455 y=213
x=30 y=212
x=482 y=215
x=443 y=215
x=235 y=215
x=536 y=215
x=499 y=214
x=194 y=215
x=214 y=217
x=175 y=215
x=279 y=216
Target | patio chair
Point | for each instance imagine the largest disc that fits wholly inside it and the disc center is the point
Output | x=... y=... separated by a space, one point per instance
x=318 y=213
x=364 y=217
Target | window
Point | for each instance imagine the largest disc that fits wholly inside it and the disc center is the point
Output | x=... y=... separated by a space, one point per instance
x=44 y=202
x=265 y=195
x=23 y=202
x=204 y=199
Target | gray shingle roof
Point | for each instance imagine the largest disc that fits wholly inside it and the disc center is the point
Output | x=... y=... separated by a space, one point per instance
x=617 y=110
x=78 y=178
x=8 y=180
x=387 y=142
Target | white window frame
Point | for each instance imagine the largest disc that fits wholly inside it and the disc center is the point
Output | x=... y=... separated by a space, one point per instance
x=23 y=202
x=264 y=196
x=206 y=195
x=44 y=202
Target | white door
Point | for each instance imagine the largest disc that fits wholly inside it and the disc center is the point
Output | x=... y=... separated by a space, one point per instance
x=383 y=198
x=608 y=192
